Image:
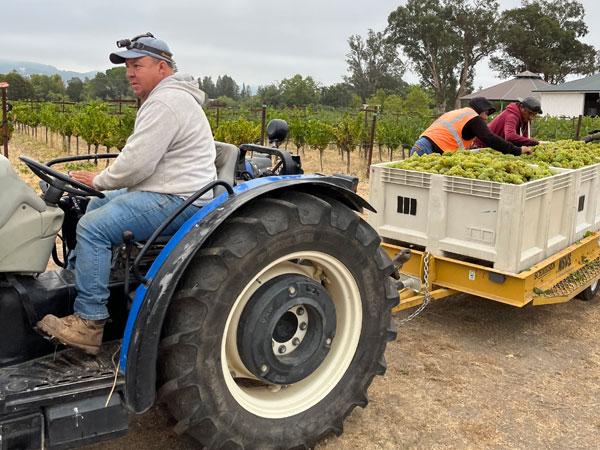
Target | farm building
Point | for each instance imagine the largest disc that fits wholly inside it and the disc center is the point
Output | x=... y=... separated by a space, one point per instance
x=524 y=84
x=573 y=98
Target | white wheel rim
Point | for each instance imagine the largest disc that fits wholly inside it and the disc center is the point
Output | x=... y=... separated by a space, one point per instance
x=276 y=402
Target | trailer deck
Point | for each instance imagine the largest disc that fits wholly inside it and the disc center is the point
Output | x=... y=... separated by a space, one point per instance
x=556 y=279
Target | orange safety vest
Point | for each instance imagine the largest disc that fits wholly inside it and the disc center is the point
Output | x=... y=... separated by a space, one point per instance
x=446 y=132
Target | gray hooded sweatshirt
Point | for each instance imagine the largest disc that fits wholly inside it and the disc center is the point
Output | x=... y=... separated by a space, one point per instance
x=171 y=150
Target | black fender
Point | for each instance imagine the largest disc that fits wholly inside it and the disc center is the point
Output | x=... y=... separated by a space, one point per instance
x=142 y=335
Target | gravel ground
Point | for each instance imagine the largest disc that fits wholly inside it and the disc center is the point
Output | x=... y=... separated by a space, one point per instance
x=468 y=373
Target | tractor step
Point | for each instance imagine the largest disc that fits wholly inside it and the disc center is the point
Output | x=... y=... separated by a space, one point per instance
x=59 y=377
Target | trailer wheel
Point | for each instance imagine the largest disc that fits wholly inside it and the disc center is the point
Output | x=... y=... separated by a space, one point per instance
x=590 y=292
x=278 y=326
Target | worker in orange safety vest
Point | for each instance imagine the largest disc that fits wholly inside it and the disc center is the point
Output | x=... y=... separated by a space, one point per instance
x=456 y=130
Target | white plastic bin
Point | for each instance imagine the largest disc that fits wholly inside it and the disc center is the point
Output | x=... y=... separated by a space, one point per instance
x=586 y=203
x=509 y=227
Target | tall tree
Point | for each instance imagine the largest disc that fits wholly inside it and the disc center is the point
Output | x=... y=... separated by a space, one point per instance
x=19 y=88
x=48 y=88
x=208 y=87
x=117 y=84
x=269 y=94
x=298 y=91
x=373 y=64
x=227 y=87
x=444 y=39
x=543 y=37
x=337 y=95
x=75 y=89
x=245 y=91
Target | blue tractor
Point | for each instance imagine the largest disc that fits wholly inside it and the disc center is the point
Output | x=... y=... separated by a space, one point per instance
x=260 y=324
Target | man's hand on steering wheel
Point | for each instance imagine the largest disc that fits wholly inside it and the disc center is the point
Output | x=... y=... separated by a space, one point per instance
x=59 y=180
x=83 y=176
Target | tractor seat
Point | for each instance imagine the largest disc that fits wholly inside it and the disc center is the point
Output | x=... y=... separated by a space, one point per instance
x=15 y=193
x=226 y=163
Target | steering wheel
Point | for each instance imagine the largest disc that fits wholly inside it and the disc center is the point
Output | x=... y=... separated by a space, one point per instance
x=60 y=180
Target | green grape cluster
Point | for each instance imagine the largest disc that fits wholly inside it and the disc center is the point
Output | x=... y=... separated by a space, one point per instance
x=487 y=165
x=567 y=154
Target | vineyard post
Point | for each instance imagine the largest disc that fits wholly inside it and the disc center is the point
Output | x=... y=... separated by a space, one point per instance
x=262 y=124
x=578 y=128
x=364 y=144
x=371 y=140
x=3 y=87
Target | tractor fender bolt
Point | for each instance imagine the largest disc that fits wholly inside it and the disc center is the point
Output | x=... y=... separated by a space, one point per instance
x=292 y=290
x=264 y=368
x=328 y=341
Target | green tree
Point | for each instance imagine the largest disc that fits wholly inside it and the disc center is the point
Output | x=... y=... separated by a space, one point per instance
x=269 y=95
x=19 y=88
x=373 y=64
x=377 y=100
x=298 y=91
x=418 y=101
x=227 y=87
x=444 y=40
x=48 y=88
x=208 y=87
x=543 y=37
x=75 y=89
x=245 y=91
x=111 y=85
x=337 y=95
x=117 y=84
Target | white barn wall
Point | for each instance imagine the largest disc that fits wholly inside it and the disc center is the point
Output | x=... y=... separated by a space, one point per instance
x=568 y=104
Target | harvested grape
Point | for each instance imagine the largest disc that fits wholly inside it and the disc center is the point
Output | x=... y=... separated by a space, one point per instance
x=486 y=164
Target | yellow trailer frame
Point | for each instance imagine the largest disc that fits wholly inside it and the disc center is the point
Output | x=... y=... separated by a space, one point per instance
x=557 y=279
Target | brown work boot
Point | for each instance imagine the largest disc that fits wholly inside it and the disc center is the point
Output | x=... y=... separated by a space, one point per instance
x=74 y=331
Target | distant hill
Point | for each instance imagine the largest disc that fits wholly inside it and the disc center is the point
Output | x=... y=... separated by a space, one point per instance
x=27 y=68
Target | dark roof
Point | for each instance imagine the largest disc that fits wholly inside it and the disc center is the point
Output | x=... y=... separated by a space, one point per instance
x=523 y=85
x=587 y=84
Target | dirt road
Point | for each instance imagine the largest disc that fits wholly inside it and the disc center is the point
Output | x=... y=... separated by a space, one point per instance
x=466 y=373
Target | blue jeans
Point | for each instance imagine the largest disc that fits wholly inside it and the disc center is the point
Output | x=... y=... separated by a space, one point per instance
x=422 y=147
x=102 y=226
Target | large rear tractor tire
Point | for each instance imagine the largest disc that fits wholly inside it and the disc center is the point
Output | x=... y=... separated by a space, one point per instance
x=278 y=326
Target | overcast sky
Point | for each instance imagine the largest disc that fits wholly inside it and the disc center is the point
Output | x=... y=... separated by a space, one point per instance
x=256 y=42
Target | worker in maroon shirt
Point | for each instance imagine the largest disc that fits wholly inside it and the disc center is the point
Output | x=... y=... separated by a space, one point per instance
x=513 y=123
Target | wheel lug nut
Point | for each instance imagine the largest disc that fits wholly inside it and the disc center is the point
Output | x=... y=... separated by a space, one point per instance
x=303 y=326
x=300 y=311
x=264 y=368
x=295 y=341
x=292 y=290
x=282 y=349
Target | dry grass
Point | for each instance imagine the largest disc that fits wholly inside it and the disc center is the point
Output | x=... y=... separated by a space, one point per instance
x=467 y=373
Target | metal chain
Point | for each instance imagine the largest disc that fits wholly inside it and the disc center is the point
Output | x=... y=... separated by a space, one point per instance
x=426 y=297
